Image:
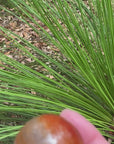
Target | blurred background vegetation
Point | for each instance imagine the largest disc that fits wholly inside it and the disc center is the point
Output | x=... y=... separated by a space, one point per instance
x=7 y=3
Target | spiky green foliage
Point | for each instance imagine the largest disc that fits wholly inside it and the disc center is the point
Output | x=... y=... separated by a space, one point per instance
x=6 y=3
x=84 y=82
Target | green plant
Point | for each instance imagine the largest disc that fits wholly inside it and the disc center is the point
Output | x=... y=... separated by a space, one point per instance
x=6 y=3
x=85 y=82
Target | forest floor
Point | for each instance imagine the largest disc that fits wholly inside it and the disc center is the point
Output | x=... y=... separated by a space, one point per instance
x=23 y=30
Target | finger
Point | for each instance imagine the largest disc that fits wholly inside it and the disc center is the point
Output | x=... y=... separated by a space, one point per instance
x=89 y=133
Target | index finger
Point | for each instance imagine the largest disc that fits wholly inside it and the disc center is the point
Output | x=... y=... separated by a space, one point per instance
x=88 y=132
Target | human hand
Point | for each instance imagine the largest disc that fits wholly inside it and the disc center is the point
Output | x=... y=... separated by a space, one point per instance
x=88 y=132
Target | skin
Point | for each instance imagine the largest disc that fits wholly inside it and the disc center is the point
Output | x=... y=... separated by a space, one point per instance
x=88 y=132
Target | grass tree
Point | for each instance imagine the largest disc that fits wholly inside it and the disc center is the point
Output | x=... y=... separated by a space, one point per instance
x=82 y=81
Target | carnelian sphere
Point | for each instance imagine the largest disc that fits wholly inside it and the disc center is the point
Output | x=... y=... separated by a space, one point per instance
x=48 y=129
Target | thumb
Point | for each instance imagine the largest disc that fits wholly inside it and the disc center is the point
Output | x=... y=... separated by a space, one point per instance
x=88 y=132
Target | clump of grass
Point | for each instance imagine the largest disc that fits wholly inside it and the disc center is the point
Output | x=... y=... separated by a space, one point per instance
x=85 y=82
x=7 y=3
